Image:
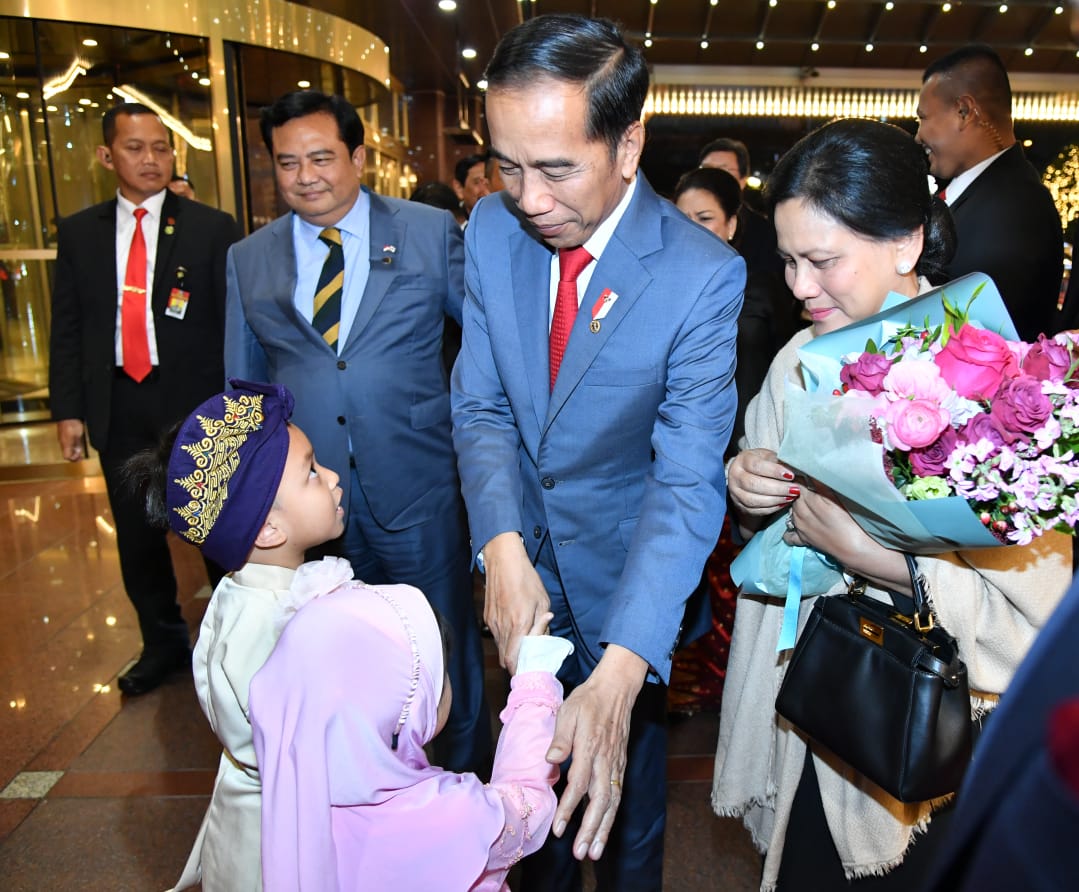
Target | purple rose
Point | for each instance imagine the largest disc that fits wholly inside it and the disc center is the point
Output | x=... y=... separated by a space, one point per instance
x=1020 y=407
x=866 y=373
x=1047 y=360
x=982 y=427
x=929 y=460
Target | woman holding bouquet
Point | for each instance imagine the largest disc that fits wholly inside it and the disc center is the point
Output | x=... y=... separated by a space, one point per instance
x=855 y=220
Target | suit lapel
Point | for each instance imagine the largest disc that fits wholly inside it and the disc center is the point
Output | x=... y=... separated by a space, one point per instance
x=385 y=232
x=531 y=271
x=620 y=270
x=105 y=246
x=168 y=234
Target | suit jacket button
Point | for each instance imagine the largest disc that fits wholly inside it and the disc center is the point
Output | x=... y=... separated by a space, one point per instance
x=537 y=531
x=342 y=365
x=547 y=483
x=341 y=419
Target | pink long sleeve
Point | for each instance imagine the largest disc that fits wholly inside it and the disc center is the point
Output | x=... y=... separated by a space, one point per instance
x=522 y=777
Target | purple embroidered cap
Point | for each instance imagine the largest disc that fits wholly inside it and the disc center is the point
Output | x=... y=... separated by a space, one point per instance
x=225 y=467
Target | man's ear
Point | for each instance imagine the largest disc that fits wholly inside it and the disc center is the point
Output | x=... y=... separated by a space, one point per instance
x=270 y=536
x=104 y=157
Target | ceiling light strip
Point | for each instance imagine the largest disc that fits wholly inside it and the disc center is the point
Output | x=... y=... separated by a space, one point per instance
x=807 y=102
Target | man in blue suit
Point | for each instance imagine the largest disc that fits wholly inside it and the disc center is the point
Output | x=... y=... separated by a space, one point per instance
x=343 y=301
x=590 y=420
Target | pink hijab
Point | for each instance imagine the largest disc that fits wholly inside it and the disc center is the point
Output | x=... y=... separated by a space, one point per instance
x=341 y=809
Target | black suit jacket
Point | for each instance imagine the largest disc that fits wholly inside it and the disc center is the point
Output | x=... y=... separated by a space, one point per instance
x=82 y=353
x=1016 y=823
x=1008 y=228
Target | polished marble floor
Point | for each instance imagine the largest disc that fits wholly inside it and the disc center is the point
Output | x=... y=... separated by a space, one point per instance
x=101 y=792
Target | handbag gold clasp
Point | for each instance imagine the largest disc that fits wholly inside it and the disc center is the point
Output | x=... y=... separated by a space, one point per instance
x=927 y=627
x=871 y=630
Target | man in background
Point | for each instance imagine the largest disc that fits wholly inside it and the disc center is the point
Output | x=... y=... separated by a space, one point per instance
x=343 y=300
x=1005 y=221
x=470 y=181
x=138 y=323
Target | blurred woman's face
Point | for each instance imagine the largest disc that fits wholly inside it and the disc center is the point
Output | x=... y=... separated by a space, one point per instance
x=701 y=206
x=839 y=275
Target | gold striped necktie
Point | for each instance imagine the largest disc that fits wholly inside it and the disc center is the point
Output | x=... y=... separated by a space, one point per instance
x=327 y=315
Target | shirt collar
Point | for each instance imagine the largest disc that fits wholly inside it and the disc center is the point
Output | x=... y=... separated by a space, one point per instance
x=354 y=223
x=961 y=182
x=152 y=204
x=597 y=244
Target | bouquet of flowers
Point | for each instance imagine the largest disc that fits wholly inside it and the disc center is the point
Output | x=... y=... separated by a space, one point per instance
x=936 y=427
x=962 y=411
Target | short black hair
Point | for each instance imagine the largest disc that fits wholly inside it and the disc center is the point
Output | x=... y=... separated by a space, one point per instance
x=978 y=70
x=462 y=167
x=300 y=104
x=437 y=195
x=576 y=50
x=872 y=178
x=720 y=183
x=735 y=146
x=108 y=120
x=183 y=177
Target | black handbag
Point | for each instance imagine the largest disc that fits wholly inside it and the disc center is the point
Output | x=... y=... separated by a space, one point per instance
x=883 y=690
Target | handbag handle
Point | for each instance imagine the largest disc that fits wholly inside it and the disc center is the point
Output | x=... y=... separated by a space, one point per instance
x=918 y=608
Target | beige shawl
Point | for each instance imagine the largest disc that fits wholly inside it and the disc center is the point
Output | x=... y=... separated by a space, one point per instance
x=993 y=600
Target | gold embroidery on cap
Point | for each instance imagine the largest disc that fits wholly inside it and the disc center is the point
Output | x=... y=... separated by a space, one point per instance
x=216 y=457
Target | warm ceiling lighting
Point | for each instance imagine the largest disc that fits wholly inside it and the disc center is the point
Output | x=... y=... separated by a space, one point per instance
x=814 y=46
x=923 y=48
x=831 y=4
x=760 y=44
x=4 y=55
x=481 y=84
x=84 y=102
x=869 y=47
x=447 y=5
x=889 y=6
x=1029 y=51
x=89 y=41
x=946 y=7
x=704 y=44
x=22 y=94
x=468 y=53
x=204 y=82
x=648 y=43
x=1003 y=8
x=303 y=85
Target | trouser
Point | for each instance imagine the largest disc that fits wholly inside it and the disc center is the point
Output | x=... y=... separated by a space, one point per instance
x=432 y=556
x=632 y=860
x=138 y=419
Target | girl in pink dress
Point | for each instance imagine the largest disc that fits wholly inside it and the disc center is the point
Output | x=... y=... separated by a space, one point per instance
x=341 y=712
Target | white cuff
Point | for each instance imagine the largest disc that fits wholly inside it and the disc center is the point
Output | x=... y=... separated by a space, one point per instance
x=542 y=653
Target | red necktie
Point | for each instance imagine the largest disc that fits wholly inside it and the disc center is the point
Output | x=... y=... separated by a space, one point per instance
x=942 y=196
x=571 y=262
x=136 y=345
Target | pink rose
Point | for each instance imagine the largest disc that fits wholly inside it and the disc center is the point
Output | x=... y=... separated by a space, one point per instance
x=866 y=372
x=914 y=424
x=975 y=361
x=1047 y=360
x=1020 y=407
x=928 y=461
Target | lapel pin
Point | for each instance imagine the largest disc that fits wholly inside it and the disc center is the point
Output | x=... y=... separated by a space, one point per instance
x=601 y=308
x=170 y=225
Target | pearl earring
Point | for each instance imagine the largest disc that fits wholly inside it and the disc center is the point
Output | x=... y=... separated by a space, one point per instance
x=903 y=267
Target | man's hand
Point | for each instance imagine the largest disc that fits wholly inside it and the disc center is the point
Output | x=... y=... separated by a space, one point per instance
x=593 y=726
x=69 y=433
x=515 y=598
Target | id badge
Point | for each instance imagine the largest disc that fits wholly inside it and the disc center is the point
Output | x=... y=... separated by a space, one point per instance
x=177 y=303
